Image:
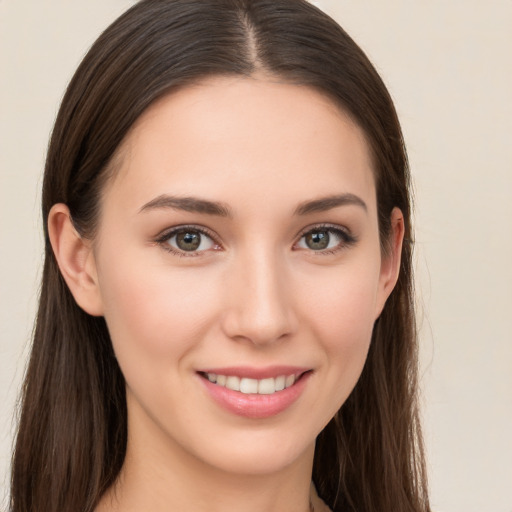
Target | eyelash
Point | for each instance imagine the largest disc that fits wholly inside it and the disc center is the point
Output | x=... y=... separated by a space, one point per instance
x=347 y=239
x=165 y=236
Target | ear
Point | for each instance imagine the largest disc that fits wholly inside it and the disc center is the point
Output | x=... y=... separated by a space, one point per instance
x=75 y=258
x=390 y=264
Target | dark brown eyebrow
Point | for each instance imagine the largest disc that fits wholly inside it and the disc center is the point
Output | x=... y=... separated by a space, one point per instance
x=197 y=205
x=187 y=204
x=327 y=203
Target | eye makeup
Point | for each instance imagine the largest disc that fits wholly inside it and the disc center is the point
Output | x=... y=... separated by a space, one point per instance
x=187 y=240
x=194 y=240
x=325 y=239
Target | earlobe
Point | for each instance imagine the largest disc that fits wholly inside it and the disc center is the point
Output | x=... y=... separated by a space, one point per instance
x=390 y=265
x=75 y=258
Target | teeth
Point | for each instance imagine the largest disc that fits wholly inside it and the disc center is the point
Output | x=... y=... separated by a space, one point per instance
x=267 y=386
x=289 y=381
x=233 y=383
x=280 y=383
x=249 y=386
x=253 y=386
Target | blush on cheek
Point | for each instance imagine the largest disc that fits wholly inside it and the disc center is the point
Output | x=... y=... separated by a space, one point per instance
x=157 y=310
x=343 y=316
x=345 y=311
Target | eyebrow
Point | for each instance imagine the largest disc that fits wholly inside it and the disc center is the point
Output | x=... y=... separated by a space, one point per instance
x=204 y=206
x=327 y=203
x=187 y=204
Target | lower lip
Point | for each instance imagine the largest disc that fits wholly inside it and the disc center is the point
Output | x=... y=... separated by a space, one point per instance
x=255 y=405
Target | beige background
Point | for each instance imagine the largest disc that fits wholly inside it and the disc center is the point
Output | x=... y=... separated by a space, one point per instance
x=448 y=66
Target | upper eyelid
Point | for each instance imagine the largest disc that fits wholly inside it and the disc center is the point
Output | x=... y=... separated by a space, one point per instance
x=203 y=229
x=169 y=232
x=345 y=234
x=324 y=225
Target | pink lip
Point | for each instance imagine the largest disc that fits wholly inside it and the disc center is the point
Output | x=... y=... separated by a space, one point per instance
x=256 y=406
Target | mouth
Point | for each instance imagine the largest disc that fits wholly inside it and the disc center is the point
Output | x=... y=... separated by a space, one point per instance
x=255 y=394
x=246 y=385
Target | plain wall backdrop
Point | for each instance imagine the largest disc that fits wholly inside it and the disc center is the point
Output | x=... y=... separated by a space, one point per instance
x=448 y=65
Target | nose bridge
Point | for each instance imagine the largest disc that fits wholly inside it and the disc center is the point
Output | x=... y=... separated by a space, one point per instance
x=261 y=308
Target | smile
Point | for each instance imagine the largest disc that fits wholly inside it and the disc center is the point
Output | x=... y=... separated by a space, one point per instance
x=246 y=385
x=255 y=393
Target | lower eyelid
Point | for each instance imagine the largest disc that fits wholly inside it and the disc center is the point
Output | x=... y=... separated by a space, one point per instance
x=345 y=239
x=164 y=237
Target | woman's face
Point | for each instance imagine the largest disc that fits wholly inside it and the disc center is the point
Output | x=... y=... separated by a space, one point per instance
x=239 y=239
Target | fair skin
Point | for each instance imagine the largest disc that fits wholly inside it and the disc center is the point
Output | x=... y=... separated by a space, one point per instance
x=264 y=283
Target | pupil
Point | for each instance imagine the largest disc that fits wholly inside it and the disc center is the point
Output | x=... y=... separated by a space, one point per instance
x=317 y=240
x=188 y=241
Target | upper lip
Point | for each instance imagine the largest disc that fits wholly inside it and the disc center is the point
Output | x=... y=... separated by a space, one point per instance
x=251 y=372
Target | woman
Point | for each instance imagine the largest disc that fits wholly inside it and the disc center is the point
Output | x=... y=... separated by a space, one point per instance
x=226 y=317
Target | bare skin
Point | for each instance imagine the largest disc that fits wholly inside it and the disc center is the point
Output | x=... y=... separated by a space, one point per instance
x=275 y=261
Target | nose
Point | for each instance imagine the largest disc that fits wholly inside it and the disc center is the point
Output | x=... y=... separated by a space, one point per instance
x=259 y=297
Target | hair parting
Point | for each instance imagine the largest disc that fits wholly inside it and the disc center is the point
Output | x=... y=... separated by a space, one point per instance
x=72 y=433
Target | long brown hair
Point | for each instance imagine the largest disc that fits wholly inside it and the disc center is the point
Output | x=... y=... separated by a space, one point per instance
x=73 y=423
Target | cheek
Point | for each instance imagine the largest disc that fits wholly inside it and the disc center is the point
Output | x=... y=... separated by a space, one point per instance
x=341 y=305
x=153 y=314
x=341 y=313
x=345 y=330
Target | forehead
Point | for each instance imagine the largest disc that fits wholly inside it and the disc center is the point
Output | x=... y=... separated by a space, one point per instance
x=255 y=134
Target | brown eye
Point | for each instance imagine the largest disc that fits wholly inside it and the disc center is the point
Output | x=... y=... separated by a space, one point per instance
x=187 y=240
x=317 y=240
x=325 y=239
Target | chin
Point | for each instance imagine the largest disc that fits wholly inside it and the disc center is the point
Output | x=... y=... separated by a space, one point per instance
x=257 y=452
x=260 y=462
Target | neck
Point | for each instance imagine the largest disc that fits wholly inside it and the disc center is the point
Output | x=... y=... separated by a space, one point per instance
x=161 y=476
x=163 y=489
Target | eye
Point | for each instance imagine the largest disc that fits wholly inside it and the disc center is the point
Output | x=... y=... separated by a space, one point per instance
x=183 y=240
x=325 y=238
